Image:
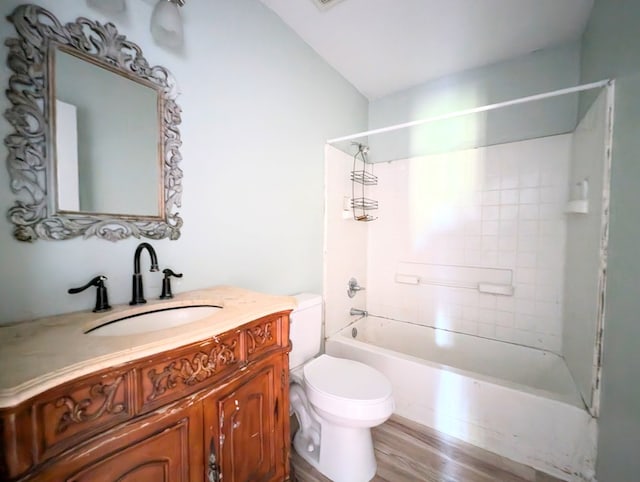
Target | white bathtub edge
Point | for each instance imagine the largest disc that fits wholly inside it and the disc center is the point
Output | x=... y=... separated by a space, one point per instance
x=548 y=435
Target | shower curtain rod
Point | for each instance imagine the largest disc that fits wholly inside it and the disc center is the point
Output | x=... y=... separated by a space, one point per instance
x=475 y=110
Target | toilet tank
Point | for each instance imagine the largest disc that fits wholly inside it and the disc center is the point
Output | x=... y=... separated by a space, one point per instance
x=305 y=330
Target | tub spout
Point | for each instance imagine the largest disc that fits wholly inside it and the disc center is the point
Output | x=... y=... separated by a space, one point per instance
x=357 y=312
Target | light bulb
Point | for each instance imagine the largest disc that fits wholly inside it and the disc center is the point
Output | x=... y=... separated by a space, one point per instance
x=166 y=24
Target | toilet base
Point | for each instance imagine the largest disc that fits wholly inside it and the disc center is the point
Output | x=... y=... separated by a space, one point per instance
x=345 y=453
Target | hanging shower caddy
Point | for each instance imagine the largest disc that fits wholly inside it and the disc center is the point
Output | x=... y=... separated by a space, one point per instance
x=360 y=179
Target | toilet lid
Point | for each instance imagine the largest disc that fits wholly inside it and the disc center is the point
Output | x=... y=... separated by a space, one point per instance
x=347 y=379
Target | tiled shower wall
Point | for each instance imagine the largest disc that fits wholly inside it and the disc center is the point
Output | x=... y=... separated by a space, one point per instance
x=498 y=210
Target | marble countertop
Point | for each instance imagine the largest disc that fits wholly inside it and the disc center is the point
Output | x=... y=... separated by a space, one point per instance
x=41 y=354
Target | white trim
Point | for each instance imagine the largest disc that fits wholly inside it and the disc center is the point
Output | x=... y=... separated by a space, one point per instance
x=596 y=383
x=475 y=110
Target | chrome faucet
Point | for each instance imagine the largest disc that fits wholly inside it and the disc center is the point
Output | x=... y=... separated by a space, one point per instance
x=353 y=287
x=137 y=294
x=357 y=312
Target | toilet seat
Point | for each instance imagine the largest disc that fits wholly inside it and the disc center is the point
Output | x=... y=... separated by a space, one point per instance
x=347 y=388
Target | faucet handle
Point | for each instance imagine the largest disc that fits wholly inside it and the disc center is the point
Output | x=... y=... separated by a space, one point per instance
x=166 y=283
x=102 y=300
x=353 y=287
x=168 y=272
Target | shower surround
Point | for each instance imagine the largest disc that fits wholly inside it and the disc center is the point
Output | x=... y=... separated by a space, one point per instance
x=451 y=221
x=485 y=269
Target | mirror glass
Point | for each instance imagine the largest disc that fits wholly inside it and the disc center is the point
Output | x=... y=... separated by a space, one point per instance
x=107 y=140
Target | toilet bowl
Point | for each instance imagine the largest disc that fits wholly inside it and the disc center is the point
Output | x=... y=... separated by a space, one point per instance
x=344 y=399
x=337 y=402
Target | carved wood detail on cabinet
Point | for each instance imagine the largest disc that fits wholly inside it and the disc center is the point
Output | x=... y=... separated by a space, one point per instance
x=192 y=367
x=202 y=366
x=262 y=336
x=259 y=336
x=156 y=418
x=82 y=409
x=77 y=411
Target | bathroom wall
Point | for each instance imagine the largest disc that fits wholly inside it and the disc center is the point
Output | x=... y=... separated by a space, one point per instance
x=450 y=221
x=538 y=72
x=345 y=248
x=610 y=50
x=257 y=106
x=583 y=247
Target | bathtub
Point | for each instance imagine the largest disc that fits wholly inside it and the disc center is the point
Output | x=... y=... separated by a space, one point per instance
x=513 y=400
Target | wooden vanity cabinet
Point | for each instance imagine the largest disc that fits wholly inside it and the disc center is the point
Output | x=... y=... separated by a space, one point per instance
x=165 y=447
x=209 y=411
x=244 y=427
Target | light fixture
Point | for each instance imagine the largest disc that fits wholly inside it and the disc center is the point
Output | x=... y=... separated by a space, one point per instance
x=166 y=23
x=107 y=6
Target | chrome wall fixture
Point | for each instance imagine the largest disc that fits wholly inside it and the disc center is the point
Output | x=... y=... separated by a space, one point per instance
x=166 y=21
x=353 y=287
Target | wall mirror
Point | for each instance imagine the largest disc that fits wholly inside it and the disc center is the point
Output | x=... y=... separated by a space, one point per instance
x=95 y=145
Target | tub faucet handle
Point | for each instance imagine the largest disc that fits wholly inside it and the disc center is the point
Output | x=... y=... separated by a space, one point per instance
x=353 y=287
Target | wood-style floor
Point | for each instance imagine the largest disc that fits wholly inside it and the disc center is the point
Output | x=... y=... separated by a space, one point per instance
x=408 y=452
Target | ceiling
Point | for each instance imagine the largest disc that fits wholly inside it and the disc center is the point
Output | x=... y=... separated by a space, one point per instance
x=383 y=46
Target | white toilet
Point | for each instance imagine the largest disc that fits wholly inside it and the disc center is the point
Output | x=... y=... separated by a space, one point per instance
x=336 y=401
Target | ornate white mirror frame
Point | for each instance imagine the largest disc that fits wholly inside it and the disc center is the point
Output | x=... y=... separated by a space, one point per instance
x=31 y=145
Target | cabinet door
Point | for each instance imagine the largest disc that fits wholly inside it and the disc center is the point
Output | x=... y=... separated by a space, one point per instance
x=248 y=437
x=164 y=447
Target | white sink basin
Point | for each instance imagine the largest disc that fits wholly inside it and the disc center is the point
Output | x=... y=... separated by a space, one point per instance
x=154 y=321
